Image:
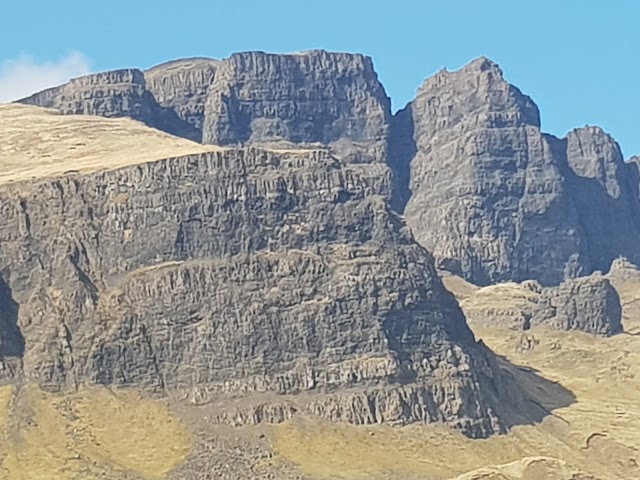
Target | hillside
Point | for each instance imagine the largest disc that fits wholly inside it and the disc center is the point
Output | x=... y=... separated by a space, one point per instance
x=252 y=268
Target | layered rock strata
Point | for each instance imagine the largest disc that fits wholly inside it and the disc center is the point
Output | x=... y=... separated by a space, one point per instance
x=589 y=304
x=317 y=97
x=496 y=199
x=482 y=187
x=114 y=94
x=239 y=272
x=182 y=86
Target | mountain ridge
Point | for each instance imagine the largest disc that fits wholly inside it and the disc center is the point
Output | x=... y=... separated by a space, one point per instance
x=294 y=271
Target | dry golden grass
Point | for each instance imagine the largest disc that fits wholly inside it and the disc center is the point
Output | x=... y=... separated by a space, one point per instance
x=509 y=295
x=458 y=286
x=597 y=436
x=6 y=394
x=90 y=435
x=528 y=468
x=38 y=142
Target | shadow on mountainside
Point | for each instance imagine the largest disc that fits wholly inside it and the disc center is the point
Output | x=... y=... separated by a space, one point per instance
x=530 y=396
x=11 y=339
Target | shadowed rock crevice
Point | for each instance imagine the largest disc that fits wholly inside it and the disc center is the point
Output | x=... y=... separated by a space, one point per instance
x=402 y=149
x=12 y=343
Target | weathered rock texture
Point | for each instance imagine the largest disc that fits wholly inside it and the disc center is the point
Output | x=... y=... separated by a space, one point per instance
x=118 y=93
x=590 y=304
x=605 y=194
x=239 y=272
x=182 y=86
x=633 y=168
x=333 y=99
x=309 y=98
x=496 y=199
x=481 y=186
x=625 y=277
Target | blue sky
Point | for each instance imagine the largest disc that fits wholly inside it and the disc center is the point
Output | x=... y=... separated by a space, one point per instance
x=579 y=60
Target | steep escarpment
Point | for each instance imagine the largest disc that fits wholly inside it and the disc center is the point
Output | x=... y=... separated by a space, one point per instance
x=113 y=94
x=182 y=86
x=333 y=99
x=495 y=199
x=238 y=272
x=633 y=169
x=488 y=198
x=481 y=186
x=309 y=98
x=605 y=193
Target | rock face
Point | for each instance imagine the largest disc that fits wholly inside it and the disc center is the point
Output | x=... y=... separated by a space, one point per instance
x=633 y=168
x=495 y=199
x=488 y=198
x=118 y=93
x=310 y=98
x=625 y=277
x=605 y=194
x=333 y=99
x=482 y=187
x=589 y=304
x=182 y=86
x=238 y=272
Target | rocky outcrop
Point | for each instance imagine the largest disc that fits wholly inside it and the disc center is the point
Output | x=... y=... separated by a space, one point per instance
x=605 y=195
x=182 y=86
x=482 y=187
x=589 y=304
x=315 y=97
x=118 y=93
x=625 y=277
x=487 y=195
x=623 y=270
x=240 y=272
x=495 y=199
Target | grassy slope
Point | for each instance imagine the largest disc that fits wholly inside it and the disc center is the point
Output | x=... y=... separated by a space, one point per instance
x=599 y=433
x=93 y=434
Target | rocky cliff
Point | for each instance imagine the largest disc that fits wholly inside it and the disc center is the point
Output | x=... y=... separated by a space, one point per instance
x=482 y=187
x=495 y=199
x=633 y=168
x=236 y=272
x=118 y=93
x=590 y=304
x=310 y=98
x=182 y=86
x=315 y=97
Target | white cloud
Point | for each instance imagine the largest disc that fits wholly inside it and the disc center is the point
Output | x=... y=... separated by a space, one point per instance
x=23 y=76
